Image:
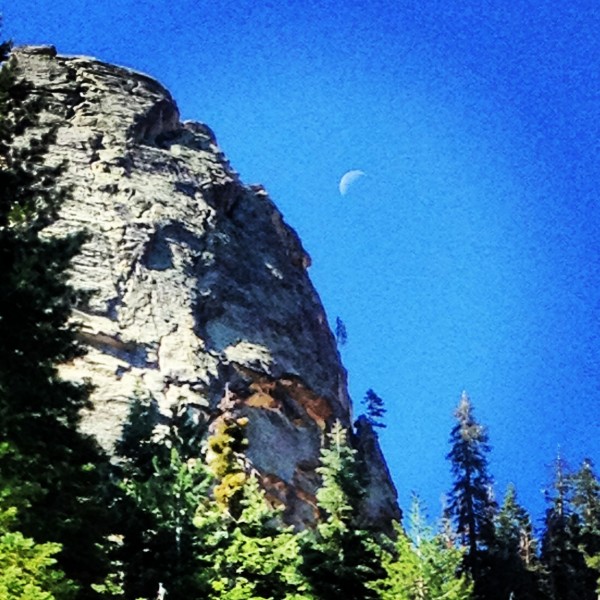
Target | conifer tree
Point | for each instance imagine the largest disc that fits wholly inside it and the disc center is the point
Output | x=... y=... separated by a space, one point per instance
x=514 y=564
x=586 y=504
x=164 y=482
x=62 y=471
x=248 y=551
x=339 y=559
x=253 y=556
x=374 y=409
x=28 y=570
x=470 y=502
x=341 y=333
x=421 y=565
x=197 y=525
x=567 y=575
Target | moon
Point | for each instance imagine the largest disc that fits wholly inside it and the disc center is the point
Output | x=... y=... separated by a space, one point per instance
x=348 y=179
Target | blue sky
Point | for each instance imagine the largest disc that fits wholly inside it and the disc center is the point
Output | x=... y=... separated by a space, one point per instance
x=468 y=256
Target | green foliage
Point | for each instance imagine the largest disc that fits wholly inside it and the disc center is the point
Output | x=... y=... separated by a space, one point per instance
x=586 y=504
x=567 y=575
x=514 y=551
x=593 y=563
x=340 y=560
x=253 y=556
x=339 y=482
x=374 y=408
x=171 y=494
x=192 y=521
x=199 y=526
x=163 y=482
x=137 y=444
x=471 y=504
x=28 y=570
x=247 y=552
x=422 y=566
x=514 y=531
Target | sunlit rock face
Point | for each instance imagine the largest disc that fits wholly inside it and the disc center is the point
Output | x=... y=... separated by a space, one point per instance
x=198 y=293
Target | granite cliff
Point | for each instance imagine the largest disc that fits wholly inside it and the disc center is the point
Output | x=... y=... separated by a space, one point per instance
x=197 y=290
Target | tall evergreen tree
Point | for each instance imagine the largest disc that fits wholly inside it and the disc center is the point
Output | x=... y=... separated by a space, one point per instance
x=586 y=504
x=513 y=560
x=196 y=524
x=422 y=566
x=253 y=556
x=471 y=502
x=247 y=551
x=339 y=559
x=62 y=470
x=567 y=575
x=28 y=569
x=165 y=481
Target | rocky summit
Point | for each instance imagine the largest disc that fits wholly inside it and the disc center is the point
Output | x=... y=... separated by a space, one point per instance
x=196 y=290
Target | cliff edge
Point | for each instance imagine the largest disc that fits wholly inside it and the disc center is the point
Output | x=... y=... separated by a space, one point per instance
x=197 y=290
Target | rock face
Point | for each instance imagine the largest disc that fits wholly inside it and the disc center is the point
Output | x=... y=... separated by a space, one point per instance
x=198 y=293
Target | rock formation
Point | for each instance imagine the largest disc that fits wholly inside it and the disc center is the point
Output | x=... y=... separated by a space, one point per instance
x=198 y=292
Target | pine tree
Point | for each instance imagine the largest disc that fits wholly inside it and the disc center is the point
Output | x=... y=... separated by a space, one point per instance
x=586 y=503
x=567 y=575
x=374 y=409
x=341 y=334
x=470 y=502
x=593 y=563
x=253 y=556
x=513 y=560
x=27 y=569
x=339 y=559
x=247 y=552
x=164 y=482
x=62 y=470
x=421 y=565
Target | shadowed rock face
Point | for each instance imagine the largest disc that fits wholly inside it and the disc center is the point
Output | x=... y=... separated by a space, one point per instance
x=198 y=290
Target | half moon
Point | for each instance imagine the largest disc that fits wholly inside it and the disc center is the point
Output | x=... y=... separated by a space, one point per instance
x=348 y=179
